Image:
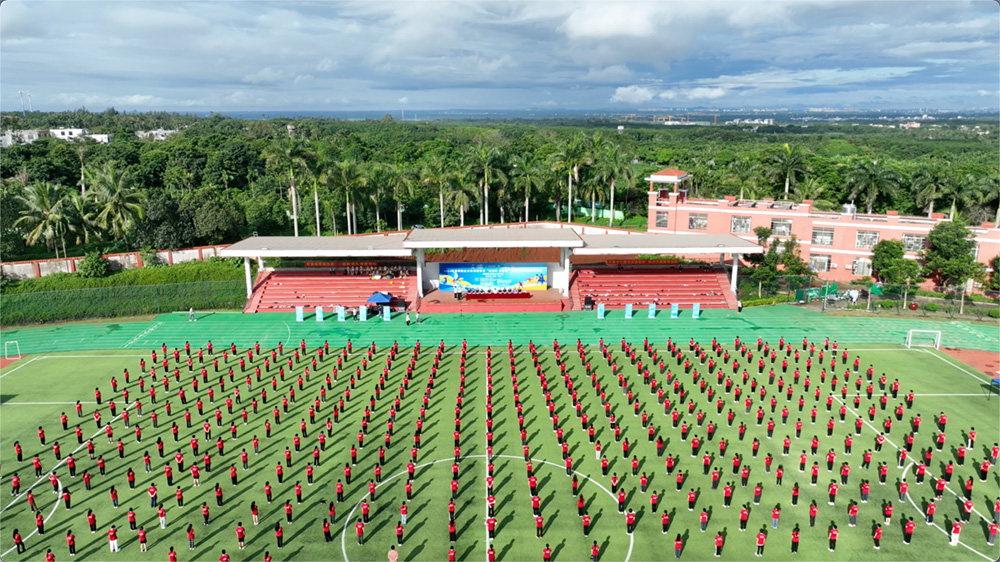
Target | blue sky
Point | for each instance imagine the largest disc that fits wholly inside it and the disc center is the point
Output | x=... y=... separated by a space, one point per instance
x=414 y=55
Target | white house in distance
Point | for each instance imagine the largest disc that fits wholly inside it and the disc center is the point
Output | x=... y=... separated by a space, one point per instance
x=156 y=134
x=28 y=136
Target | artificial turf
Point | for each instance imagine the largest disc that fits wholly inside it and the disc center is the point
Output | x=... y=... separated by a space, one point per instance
x=35 y=393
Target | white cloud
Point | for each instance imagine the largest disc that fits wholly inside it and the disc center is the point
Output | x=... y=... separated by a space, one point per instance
x=632 y=94
x=265 y=75
x=612 y=73
x=705 y=93
x=918 y=48
x=302 y=78
x=326 y=64
x=403 y=100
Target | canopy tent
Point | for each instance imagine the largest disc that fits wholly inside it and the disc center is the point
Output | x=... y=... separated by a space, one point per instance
x=380 y=298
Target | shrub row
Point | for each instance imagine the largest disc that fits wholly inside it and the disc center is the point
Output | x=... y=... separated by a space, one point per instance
x=765 y=301
x=212 y=269
x=108 y=302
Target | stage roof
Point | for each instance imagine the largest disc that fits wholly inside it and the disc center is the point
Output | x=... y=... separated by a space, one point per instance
x=364 y=245
x=535 y=235
x=597 y=244
x=493 y=238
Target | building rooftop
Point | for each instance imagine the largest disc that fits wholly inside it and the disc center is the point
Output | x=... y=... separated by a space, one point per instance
x=362 y=245
x=515 y=237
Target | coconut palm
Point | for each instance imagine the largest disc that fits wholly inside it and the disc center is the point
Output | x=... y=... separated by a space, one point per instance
x=743 y=172
x=809 y=189
x=870 y=180
x=289 y=155
x=527 y=177
x=437 y=174
x=319 y=166
x=483 y=159
x=82 y=218
x=44 y=215
x=401 y=181
x=573 y=154
x=609 y=167
x=787 y=164
x=119 y=204
x=350 y=179
x=966 y=192
x=461 y=198
x=929 y=184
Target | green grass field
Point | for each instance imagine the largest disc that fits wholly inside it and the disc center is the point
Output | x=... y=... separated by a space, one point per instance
x=37 y=389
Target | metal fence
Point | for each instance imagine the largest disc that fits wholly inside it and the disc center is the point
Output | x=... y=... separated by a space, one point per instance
x=108 y=302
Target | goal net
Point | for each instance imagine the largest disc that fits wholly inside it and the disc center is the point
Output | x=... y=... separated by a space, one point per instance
x=923 y=338
x=11 y=345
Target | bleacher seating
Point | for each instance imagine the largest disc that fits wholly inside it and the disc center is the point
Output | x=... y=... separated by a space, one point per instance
x=282 y=291
x=615 y=288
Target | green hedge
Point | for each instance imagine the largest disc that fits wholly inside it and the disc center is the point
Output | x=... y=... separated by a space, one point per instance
x=108 y=302
x=213 y=269
x=765 y=301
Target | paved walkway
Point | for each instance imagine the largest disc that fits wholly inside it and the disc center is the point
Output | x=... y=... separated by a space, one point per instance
x=770 y=323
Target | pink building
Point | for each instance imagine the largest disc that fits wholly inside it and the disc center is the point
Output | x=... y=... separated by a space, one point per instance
x=837 y=245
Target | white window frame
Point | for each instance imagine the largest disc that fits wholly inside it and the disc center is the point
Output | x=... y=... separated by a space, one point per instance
x=823 y=260
x=698 y=221
x=866 y=270
x=662 y=219
x=746 y=224
x=822 y=240
x=782 y=222
x=866 y=239
x=909 y=246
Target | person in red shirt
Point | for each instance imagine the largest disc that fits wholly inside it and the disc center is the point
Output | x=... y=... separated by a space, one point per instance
x=833 y=537
x=359 y=528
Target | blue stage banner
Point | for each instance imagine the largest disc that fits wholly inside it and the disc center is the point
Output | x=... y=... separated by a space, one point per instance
x=299 y=313
x=628 y=310
x=652 y=310
x=486 y=276
x=600 y=311
x=386 y=313
x=696 y=310
x=341 y=314
x=363 y=313
x=319 y=313
x=674 y=310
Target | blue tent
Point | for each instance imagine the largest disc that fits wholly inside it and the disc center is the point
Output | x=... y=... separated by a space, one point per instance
x=380 y=298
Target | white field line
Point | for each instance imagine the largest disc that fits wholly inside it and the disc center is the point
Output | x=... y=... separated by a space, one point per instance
x=58 y=464
x=486 y=504
x=55 y=506
x=350 y=515
x=42 y=403
x=142 y=334
x=947 y=534
x=25 y=364
x=931 y=353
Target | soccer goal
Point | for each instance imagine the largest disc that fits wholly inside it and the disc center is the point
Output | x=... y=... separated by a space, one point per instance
x=7 y=345
x=923 y=338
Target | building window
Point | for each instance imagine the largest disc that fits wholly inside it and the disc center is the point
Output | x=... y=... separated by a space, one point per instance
x=662 y=219
x=914 y=242
x=781 y=227
x=866 y=239
x=697 y=221
x=862 y=267
x=819 y=263
x=740 y=225
x=822 y=237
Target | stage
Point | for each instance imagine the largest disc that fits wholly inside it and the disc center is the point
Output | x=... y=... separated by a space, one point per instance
x=437 y=301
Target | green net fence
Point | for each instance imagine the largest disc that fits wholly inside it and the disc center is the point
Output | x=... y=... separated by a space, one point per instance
x=108 y=302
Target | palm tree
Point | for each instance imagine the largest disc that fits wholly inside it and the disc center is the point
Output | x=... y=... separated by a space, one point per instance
x=869 y=180
x=610 y=167
x=965 y=192
x=930 y=183
x=119 y=205
x=573 y=154
x=787 y=164
x=401 y=180
x=289 y=154
x=44 y=214
x=461 y=197
x=483 y=159
x=437 y=174
x=82 y=218
x=318 y=166
x=527 y=177
x=350 y=179
x=743 y=172
x=810 y=188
